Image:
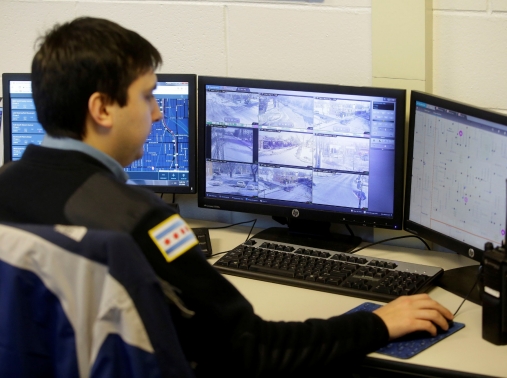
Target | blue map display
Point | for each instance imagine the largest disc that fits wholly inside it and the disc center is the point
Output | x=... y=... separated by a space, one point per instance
x=166 y=149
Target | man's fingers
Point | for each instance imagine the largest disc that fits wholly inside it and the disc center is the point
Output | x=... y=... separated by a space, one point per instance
x=414 y=313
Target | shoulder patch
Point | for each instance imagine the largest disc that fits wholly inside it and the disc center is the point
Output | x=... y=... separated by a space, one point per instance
x=173 y=237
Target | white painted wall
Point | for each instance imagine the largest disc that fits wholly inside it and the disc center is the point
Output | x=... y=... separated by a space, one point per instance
x=470 y=51
x=327 y=41
x=288 y=41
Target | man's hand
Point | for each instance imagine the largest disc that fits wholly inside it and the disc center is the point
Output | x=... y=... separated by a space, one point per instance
x=413 y=313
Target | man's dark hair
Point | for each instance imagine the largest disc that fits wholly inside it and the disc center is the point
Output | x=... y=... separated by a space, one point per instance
x=79 y=58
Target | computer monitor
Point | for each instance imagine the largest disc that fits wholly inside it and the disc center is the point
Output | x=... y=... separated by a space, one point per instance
x=169 y=161
x=456 y=174
x=307 y=154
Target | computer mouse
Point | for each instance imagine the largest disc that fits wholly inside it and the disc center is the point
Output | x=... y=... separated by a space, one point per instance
x=450 y=323
x=417 y=335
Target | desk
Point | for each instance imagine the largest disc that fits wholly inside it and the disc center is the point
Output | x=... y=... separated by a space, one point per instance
x=462 y=354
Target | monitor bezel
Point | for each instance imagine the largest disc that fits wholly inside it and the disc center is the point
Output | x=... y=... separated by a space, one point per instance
x=192 y=108
x=416 y=228
x=303 y=213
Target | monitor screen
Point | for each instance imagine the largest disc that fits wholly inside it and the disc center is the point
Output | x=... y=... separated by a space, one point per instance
x=302 y=151
x=169 y=160
x=168 y=163
x=456 y=174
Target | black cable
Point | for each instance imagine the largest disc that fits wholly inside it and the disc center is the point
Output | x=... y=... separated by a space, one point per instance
x=251 y=228
x=231 y=225
x=466 y=297
x=386 y=240
x=350 y=230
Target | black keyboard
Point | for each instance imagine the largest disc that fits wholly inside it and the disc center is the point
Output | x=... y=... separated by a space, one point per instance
x=325 y=270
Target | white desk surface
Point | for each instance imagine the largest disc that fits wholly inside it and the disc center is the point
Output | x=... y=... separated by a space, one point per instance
x=464 y=351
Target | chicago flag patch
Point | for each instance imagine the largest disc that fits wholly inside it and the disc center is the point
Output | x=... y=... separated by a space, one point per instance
x=173 y=237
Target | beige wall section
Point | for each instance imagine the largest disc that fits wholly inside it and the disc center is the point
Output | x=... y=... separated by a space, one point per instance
x=287 y=41
x=472 y=69
x=402 y=57
x=402 y=43
x=310 y=44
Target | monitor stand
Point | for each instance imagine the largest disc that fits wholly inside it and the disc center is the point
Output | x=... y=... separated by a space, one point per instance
x=312 y=234
x=174 y=206
x=459 y=281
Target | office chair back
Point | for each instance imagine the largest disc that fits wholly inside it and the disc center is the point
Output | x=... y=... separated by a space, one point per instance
x=82 y=303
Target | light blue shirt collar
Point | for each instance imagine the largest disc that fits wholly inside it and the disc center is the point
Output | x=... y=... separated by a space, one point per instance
x=77 y=145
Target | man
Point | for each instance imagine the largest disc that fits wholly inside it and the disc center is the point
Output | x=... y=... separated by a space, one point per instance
x=92 y=83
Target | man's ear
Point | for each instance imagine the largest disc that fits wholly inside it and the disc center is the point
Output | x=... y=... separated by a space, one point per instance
x=99 y=109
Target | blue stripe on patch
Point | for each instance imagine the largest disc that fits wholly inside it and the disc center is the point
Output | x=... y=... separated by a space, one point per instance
x=171 y=227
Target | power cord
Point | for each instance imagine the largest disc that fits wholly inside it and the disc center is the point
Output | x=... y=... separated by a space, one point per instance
x=231 y=225
x=473 y=287
x=386 y=240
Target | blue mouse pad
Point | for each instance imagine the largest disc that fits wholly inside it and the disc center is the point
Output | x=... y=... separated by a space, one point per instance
x=411 y=344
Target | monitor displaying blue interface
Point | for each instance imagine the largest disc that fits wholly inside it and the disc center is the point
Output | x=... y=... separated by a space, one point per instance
x=456 y=174
x=302 y=151
x=169 y=159
x=168 y=162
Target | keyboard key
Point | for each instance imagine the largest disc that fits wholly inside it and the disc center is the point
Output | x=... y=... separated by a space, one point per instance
x=334 y=281
x=274 y=271
x=382 y=289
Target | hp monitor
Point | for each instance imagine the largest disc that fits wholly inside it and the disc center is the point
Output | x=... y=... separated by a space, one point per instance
x=169 y=160
x=307 y=154
x=456 y=174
